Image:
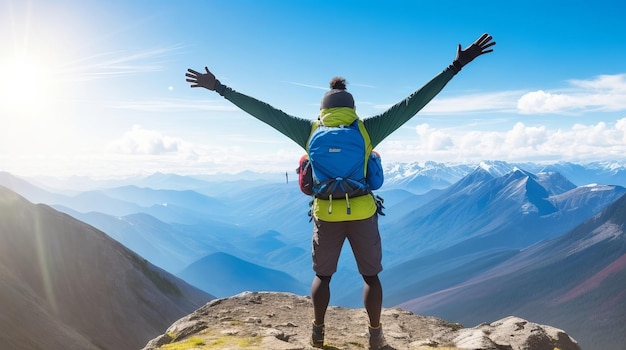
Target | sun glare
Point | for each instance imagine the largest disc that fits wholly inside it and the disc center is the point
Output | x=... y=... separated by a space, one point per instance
x=30 y=104
x=26 y=86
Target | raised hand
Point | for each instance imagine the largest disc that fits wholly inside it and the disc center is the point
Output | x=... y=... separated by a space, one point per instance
x=479 y=47
x=197 y=79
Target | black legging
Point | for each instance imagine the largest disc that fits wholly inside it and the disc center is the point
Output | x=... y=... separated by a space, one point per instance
x=372 y=298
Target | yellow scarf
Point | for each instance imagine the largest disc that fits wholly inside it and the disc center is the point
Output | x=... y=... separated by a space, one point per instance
x=338 y=116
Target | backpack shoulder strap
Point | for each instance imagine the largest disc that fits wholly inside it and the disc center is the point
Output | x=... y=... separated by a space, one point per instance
x=368 y=145
x=314 y=126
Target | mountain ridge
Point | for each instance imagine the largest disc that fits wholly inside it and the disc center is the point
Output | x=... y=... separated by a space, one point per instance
x=579 y=275
x=67 y=285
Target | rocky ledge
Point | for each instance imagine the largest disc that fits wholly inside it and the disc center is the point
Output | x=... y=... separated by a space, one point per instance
x=282 y=321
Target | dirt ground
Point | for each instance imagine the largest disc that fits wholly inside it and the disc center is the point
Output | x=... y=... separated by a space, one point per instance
x=282 y=321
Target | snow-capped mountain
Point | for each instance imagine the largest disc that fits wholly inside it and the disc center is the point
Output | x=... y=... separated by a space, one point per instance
x=421 y=177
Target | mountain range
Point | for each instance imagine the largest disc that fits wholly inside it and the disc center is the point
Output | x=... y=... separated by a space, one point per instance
x=447 y=228
x=575 y=280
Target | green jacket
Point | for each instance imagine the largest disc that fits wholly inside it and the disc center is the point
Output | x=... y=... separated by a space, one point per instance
x=378 y=127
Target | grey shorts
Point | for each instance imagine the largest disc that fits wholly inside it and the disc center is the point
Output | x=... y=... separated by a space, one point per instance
x=364 y=238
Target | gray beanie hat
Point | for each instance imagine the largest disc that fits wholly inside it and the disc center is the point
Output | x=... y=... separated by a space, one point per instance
x=337 y=96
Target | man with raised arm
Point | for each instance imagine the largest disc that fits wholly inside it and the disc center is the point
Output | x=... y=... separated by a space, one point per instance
x=358 y=224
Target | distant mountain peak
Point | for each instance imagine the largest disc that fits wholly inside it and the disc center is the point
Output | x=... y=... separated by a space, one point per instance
x=497 y=168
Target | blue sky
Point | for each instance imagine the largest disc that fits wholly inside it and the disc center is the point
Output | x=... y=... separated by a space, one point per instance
x=97 y=88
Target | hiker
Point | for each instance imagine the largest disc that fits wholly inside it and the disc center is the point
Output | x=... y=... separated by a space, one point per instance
x=355 y=219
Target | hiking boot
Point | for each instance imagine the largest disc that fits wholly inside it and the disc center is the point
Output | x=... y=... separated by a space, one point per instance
x=317 y=335
x=377 y=339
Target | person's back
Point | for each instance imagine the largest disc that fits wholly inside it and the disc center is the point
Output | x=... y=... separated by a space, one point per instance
x=356 y=218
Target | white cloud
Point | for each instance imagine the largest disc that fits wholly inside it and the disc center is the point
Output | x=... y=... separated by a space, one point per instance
x=145 y=151
x=433 y=140
x=142 y=141
x=600 y=141
x=545 y=102
x=525 y=136
x=603 y=93
x=308 y=85
x=610 y=83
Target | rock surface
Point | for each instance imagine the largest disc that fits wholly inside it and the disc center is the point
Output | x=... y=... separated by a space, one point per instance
x=282 y=321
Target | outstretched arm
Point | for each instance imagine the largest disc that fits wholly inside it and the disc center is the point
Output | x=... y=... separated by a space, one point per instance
x=297 y=129
x=382 y=125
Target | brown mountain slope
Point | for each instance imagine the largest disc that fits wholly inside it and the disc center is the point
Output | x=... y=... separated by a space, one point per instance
x=66 y=285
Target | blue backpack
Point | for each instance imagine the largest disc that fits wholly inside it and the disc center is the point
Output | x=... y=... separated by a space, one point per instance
x=340 y=162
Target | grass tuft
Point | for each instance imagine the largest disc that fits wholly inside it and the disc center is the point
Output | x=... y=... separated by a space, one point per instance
x=187 y=344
